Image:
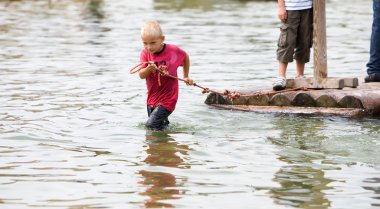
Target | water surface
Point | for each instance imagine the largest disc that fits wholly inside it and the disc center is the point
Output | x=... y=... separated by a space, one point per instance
x=72 y=117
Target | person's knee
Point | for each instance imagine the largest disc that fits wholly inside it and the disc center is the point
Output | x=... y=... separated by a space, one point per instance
x=156 y=125
x=152 y=124
x=158 y=119
x=285 y=55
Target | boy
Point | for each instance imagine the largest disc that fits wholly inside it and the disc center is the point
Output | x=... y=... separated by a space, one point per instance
x=162 y=90
x=295 y=38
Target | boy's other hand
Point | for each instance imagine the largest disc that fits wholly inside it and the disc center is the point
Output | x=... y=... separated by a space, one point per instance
x=188 y=81
x=282 y=14
x=163 y=70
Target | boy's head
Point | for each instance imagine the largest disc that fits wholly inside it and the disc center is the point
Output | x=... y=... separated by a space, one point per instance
x=152 y=36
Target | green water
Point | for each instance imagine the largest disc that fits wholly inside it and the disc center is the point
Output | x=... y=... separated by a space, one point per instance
x=72 y=117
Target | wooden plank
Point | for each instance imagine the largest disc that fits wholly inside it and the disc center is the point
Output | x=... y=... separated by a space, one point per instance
x=260 y=100
x=298 y=83
x=351 y=82
x=350 y=101
x=303 y=99
x=326 y=101
x=312 y=111
x=329 y=83
x=283 y=99
x=311 y=83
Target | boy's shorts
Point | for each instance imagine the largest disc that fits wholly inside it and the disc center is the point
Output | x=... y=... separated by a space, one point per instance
x=158 y=118
x=296 y=37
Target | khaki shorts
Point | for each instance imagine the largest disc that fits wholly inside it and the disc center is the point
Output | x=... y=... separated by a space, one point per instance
x=296 y=36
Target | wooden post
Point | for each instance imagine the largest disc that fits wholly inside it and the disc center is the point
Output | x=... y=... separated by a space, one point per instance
x=319 y=43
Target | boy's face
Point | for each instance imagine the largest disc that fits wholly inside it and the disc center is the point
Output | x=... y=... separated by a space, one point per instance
x=153 y=43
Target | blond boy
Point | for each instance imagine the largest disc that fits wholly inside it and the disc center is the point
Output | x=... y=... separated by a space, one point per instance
x=162 y=90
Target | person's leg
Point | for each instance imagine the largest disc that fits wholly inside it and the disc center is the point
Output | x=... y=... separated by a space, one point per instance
x=286 y=45
x=280 y=82
x=282 y=69
x=300 y=68
x=373 y=66
x=149 y=110
x=287 y=42
x=158 y=118
x=304 y=41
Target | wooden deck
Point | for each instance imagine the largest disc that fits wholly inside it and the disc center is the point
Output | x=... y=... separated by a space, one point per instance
x=363 y=101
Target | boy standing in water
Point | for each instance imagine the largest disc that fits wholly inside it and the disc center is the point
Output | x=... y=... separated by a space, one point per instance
x=162 y=90
x=295 y=38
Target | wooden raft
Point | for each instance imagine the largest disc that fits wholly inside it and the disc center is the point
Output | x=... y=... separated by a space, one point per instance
x=363 y=101
x=336 y=96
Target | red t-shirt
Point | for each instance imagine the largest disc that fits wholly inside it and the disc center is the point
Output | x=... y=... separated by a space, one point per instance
x=165 y=95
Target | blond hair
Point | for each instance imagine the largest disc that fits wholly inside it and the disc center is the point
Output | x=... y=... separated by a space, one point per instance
x=151 y=28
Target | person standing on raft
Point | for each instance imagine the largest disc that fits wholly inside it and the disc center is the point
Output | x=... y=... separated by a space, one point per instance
x=295 y=39
x=373 y=65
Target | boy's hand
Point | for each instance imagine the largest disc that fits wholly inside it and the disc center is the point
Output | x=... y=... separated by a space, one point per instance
x=145 y=72
x=163 y=70
x=188 y=81
x=282 y=14
x=151 y=67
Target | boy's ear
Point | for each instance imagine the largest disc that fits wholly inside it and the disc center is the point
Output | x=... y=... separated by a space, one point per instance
x=163 y=38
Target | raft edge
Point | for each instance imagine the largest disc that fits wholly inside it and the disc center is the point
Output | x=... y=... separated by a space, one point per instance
x=289 y=110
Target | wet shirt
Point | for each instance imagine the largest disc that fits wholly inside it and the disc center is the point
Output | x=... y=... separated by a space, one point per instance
x=298 y=4
x=165 y=94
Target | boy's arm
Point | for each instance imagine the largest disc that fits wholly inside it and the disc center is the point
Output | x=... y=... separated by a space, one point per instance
x=186 y=69
x=145 y=72
x=282 y=14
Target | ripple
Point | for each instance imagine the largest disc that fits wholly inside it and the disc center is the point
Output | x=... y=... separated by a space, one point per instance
x=72 y=117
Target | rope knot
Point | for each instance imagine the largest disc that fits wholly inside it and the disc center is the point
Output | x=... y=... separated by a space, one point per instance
x=233 y=96
x=205 y=91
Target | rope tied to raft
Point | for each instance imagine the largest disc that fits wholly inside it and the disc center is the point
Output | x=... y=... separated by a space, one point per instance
x=163 y=71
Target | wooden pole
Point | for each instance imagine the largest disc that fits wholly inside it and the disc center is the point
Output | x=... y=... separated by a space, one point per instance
x=319 y=42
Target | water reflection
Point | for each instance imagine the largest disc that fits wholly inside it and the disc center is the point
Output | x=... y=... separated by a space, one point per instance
x=192 y=4
x=163 y=151
x=302 y=182
x=96 y=33
x=375 y=189
x=53 y=93
x=94 y=9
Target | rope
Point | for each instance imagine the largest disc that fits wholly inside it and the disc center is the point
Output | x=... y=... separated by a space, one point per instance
x=139 y=67
x=230 y=95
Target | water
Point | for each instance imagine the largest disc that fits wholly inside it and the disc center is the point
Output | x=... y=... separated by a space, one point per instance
x=72 y=117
